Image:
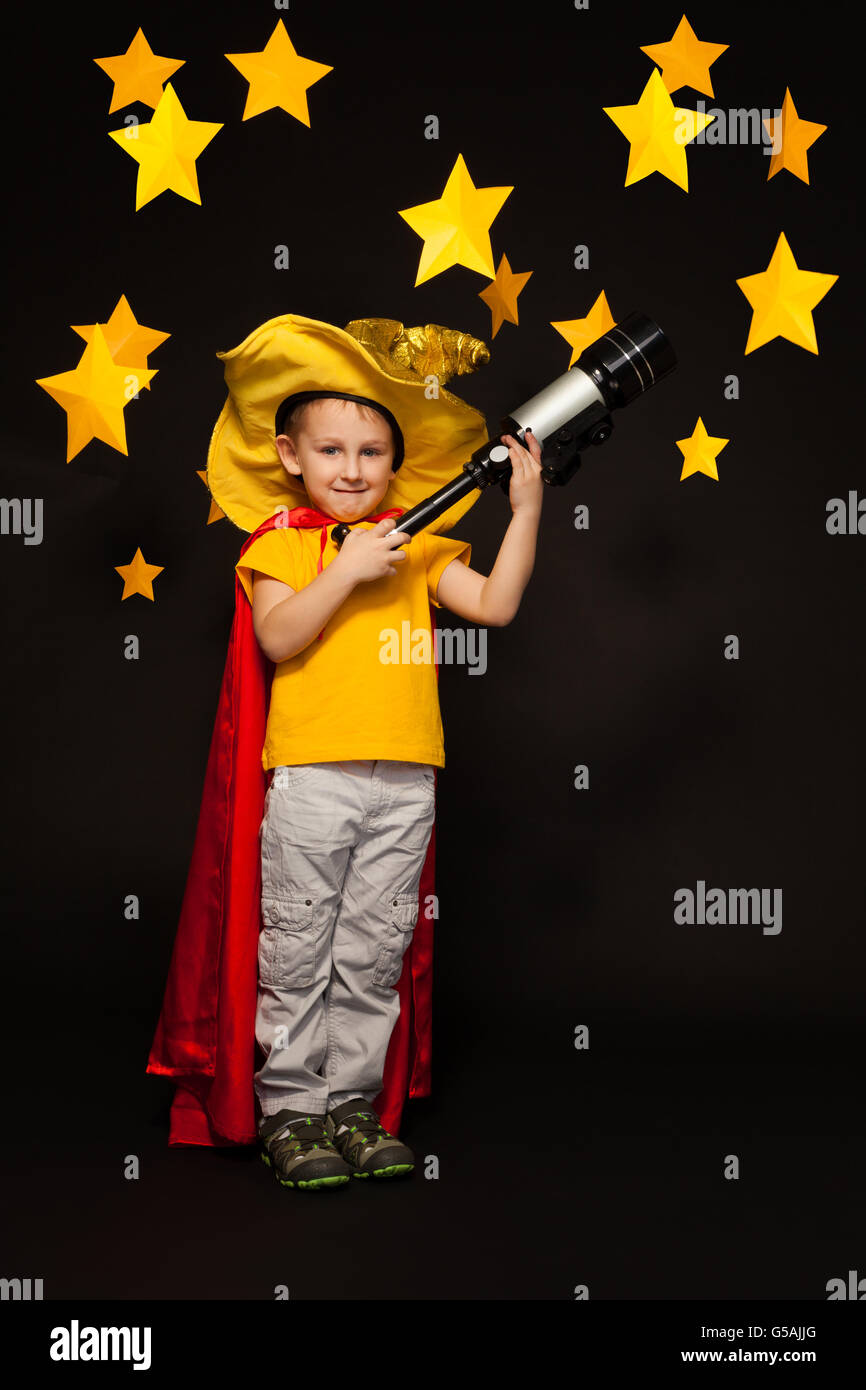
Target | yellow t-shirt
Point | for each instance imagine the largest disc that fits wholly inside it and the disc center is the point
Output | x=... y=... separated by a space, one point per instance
x=368 y=687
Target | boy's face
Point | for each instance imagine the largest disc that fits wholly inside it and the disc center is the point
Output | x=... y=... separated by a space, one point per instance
x=345 y=456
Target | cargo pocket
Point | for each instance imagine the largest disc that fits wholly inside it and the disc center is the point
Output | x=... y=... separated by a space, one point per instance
x=287 y=943
x=403 y=914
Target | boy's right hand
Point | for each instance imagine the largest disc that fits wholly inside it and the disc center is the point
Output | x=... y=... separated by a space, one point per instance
x=366 y=555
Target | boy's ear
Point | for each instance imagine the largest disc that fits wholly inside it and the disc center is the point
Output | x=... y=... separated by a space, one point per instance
x=286 y=452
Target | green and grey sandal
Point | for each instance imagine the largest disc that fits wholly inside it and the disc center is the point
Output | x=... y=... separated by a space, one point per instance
x=357 y=1133
x=298 y=1148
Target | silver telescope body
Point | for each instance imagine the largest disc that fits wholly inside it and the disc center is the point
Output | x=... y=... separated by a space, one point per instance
x=571 y=413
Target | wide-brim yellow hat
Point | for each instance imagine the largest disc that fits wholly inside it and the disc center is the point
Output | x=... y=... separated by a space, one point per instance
x=403 y=369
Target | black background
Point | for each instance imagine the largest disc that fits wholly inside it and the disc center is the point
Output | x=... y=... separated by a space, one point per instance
x=558 y=1167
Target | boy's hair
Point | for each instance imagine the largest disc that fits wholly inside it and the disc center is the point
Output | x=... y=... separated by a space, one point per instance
x=295 y=417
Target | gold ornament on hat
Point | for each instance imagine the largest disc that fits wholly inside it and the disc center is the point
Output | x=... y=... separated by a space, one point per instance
x=377 y=358
x=421 y=352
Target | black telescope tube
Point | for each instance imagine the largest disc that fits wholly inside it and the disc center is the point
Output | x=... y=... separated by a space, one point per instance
x=624 y=362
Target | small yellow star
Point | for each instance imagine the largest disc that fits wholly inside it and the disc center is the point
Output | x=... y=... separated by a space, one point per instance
x=685 y=60
x=658 y=133
x=166 y=149
x=138 y=576
x=579 y=333
x=278 y=76
x=94 y=396
x=783 y=297
x=138 y=74
x=456 y=227
x=500 y=295
x=216 y=512
x=795 y=135
x=129 y=342
x=700 y=452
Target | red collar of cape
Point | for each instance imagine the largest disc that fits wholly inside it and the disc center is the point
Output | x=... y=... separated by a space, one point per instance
x=205 y=1037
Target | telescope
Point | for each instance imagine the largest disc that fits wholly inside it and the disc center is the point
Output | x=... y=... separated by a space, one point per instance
x=571 y=413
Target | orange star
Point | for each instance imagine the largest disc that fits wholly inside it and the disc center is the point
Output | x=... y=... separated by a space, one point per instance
x=456 y=227
x=138 y=74
x=782 y=298
x=138 y=576
x=216 y=512
x=791 y=138
x=700 y=452
x=500 y=296
x=129 y=342
x=278 y=76
x=685 y=60
x=94 y=396
x=579 y=333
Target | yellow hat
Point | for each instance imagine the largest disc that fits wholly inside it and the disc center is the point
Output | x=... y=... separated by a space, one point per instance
x=403 y=369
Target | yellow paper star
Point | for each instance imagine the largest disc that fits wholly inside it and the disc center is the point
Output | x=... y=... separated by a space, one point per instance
x=700 y=452
x=166 y=149
x=94 y=396
x=129 y=342
x=216 y=512
x=658 y=133
x=685 y=60
x=278 y=76
x=500 y=295
x=579 y=333
x=783 y=297
x=456 y=227
x=138 y=74
x=796 y=137
x=138 y=576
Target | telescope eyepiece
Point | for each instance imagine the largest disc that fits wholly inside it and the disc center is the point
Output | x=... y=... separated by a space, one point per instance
x=628 y=359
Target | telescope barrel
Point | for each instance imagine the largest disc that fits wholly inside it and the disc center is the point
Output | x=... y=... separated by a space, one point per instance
x=572 y=413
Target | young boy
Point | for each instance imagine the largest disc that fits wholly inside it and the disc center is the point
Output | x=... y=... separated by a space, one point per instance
x=352 y=738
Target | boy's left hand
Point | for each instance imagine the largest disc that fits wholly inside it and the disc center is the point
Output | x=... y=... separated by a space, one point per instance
x=526 y=487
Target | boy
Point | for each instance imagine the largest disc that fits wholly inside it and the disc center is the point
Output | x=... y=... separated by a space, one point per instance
x=352 y=740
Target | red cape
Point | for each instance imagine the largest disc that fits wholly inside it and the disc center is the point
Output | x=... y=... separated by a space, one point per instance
x=205 y=1037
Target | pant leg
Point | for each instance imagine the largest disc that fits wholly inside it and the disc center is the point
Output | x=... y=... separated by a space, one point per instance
x=374 y=925
x=312 y=819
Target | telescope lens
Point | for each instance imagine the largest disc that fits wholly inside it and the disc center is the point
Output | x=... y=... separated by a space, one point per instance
x=628 y=359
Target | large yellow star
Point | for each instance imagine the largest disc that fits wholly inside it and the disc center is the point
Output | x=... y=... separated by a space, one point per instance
x=138 y=74
x=129 y=342
x=138 y=576
x=579 y=333
x=216 y=512
x=94 y=396
x=658 y=132
x=783 y=297
x=500 y=295
x=685 y=60
x=700 y=452
x=166 y=149
x=456 y=227
x=792 y=140
x=278 y=76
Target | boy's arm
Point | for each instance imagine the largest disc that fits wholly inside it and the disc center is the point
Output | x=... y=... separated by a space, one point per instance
x=493 y=600
x=286 y=621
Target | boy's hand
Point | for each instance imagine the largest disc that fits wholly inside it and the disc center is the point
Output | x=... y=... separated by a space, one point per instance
x=366 y=555
x=526 y=487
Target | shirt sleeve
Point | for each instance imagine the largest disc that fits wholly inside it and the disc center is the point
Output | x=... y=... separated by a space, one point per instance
x=439 y=552
x=273 y=554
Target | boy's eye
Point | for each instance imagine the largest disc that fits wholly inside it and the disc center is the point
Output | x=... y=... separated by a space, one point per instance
x=369 y=450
